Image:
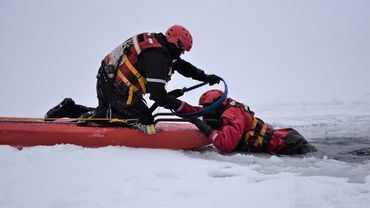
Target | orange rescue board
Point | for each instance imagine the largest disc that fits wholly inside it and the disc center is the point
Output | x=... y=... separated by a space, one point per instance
x=169 y=135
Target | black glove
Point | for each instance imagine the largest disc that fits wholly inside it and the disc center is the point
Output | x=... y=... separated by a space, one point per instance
x=176 y=93
x=202 y=126
x=146 y=118
x=212 y=79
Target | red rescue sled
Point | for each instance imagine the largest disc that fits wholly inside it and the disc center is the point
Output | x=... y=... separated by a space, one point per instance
x=23 y=133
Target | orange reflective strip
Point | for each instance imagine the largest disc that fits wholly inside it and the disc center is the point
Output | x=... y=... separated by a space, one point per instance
x=140 y=78
x=131 y=87
x=254 y=123
x=250 y=133
x=259 y=140
x=130 y=95
x=124 y=79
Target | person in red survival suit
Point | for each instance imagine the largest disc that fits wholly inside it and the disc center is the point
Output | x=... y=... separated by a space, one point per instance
x=142 y=64
x=233 y=127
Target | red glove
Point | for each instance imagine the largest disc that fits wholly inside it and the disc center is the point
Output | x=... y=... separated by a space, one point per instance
x=185 y=108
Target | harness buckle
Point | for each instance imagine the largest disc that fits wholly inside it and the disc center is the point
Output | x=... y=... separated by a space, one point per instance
x=147 y=129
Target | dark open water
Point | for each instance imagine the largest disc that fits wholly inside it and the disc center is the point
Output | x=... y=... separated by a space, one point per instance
x=346 y=149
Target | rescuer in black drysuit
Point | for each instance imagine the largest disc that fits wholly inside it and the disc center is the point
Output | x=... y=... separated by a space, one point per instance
x=142 y=64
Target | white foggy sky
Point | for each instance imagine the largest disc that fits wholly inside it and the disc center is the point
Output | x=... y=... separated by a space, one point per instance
x=267 y=50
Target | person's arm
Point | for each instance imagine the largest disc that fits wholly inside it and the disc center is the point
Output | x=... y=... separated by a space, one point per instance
x=188 y=70
x=228 y=137
x=232 y=129
x=186 y=108
x=155 y=63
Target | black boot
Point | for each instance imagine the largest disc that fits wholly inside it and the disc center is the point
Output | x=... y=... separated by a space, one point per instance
x=295 y=143
x=64 y=109
x=91 y=118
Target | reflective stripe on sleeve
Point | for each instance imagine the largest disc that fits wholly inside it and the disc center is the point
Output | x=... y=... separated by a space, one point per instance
x=181 y=106
x=156 y=80
x=214 y=137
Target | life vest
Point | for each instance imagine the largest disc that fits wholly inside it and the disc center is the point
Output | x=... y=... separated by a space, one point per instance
x=124 y=58
x=258 y=135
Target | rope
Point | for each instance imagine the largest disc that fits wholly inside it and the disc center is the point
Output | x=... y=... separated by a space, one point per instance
x=210 y=108
x=113 y=120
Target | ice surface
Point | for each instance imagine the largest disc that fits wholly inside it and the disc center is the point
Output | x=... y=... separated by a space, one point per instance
x=267 y=51
x=72 y=176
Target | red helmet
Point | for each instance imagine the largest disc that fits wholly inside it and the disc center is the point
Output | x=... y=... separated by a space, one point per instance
x=180 y=36
x=210 y=97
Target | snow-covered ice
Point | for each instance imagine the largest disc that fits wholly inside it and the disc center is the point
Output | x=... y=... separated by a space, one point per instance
x=268 y=51
x=72 y=176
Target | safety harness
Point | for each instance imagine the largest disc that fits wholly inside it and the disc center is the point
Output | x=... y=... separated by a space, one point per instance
x=124 y=59
x=257 y=134
x=123 y=74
